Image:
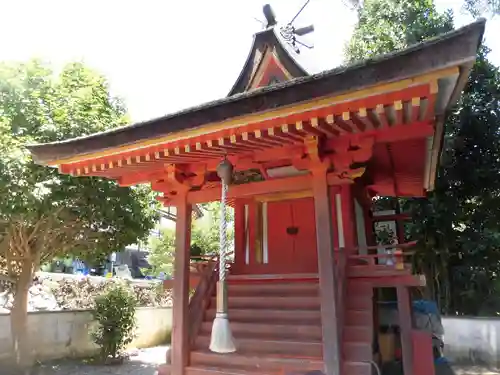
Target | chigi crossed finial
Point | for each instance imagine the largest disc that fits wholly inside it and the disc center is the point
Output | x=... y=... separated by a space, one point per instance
x=289 y=32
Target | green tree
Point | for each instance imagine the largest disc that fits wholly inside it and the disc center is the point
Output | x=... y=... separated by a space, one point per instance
x=162 y=252
x=389 y=25
x=457 y=224
x=204 y=239
x=480 y=7
x=44 y=214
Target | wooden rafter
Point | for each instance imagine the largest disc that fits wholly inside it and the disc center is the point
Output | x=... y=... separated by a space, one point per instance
x=380 y=113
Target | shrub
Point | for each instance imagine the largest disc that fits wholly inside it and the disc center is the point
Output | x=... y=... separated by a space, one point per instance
x=115 y=314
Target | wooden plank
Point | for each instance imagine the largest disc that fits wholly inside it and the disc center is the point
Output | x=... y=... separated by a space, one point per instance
x=404 y=311
x=180 y=345
x=327 y=277
x=283 y=185
x=279 y=185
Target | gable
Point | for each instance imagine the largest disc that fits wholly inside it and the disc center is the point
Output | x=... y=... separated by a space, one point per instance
x=268 y=63
x=269 y=72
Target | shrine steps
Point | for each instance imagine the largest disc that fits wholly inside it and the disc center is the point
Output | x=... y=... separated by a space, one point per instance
x=357 y=332
x=277 y=330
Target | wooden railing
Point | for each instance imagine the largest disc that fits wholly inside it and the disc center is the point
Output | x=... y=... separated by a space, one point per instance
x=207 y=266
x=397 y=255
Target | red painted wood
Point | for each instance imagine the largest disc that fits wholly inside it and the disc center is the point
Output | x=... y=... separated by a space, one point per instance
x=252 y=233
x=274 y=289
x=292 y=253
x=276 y=279
x=239 y=235
x=180 y=344
x=405 y=324
x=258 y=362
x=348 y=217
x=332 y=338
x=287 y=254
x=422 y=351
x=267 y=315
x=272 y=69
x=332 y=191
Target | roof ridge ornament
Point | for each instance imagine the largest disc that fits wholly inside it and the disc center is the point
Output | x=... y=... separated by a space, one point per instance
x=289 y=32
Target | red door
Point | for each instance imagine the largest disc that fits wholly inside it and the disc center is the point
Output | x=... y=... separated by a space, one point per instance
x=291 y=237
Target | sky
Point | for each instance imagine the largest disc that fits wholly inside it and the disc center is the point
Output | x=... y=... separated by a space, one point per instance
x=161 y=56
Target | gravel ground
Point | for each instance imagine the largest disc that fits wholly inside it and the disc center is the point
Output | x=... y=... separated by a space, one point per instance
x=144 y=363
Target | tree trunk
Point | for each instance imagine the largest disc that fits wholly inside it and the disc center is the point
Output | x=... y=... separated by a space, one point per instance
x=21 y=350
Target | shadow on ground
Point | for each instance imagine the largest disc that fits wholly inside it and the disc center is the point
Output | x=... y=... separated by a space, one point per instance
x=145 y=362
x=128 y=368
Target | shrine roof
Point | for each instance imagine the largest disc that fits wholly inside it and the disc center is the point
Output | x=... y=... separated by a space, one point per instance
x=456 y=48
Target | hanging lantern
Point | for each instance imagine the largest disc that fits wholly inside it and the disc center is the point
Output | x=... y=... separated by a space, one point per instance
x=222 y=340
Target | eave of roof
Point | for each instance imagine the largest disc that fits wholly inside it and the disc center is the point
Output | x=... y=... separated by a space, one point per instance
x=455 y=48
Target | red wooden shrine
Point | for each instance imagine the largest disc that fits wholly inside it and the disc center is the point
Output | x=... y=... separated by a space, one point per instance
x=309 y=151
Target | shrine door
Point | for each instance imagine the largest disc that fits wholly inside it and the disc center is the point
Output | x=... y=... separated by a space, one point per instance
x=291 y=236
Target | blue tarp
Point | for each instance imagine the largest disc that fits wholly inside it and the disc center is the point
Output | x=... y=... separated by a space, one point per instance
x=419 y=306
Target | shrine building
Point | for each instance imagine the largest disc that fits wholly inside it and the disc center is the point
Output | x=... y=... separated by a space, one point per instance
x=309 y=151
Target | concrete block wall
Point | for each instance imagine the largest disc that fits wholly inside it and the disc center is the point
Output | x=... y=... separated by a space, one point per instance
x=61 y=334
x=472 y=340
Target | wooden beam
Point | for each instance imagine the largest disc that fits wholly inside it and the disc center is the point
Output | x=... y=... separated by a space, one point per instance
x=180 y=339
x=405 y=325
x=327 y=275
x=279 y=185
x=254 y=188
x=394 y=217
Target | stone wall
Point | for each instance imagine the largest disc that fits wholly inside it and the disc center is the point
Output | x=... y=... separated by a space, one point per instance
x=60 y=334
x=473 y=341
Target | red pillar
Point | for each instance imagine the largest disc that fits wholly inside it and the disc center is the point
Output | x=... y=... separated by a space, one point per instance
x=180 y=345
x=405 y=327
x=348 y=217
x=327 y=276
x=239 y=236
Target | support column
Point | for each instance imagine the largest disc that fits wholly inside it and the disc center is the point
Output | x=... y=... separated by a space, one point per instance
x=405 y=326
x=180 y=344
x=326 y=270
x=239 y=236
x=348 y=217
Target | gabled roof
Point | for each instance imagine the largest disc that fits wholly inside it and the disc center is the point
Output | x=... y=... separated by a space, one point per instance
x=266 y=47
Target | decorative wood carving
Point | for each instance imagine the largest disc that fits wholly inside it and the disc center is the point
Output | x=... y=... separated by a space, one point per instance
x=175 y=182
